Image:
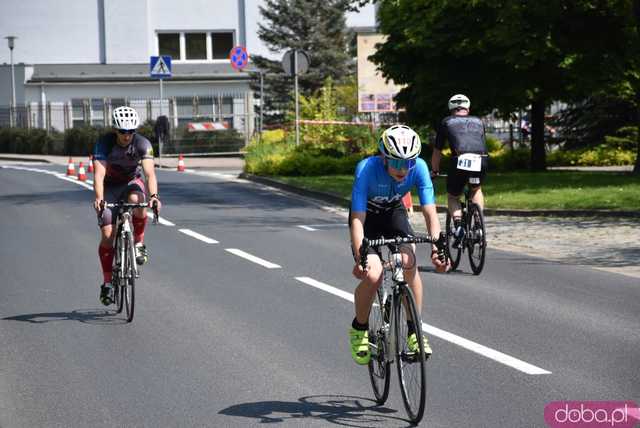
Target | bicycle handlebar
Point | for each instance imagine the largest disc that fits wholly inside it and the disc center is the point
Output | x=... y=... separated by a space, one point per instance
x=127 y=205
x=375 y=243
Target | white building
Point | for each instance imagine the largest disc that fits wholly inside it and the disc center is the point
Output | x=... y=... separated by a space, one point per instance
x=77 y=59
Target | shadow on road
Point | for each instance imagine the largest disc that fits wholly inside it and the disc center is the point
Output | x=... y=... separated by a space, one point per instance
x=87 y=316
x=335 y=409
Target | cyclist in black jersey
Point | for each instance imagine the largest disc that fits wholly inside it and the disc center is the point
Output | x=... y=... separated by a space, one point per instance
x=120 y=158
x=469 y=156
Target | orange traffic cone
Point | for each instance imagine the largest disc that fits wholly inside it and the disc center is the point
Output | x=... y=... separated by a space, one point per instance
x=90 y=168
x=181 y=163
x=81 y=174
x=407 y=201
x=71 y=170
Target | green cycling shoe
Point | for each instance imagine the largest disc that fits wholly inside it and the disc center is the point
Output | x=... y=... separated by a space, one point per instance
x=412 y=344
x=359 y=346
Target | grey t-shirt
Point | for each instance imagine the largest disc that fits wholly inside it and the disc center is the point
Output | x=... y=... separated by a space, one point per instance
x=123 y=163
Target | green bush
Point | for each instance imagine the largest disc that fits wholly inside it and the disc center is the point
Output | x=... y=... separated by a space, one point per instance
x=601 y=155
x=28 y=141
x=229 y=140
x=81 y=140
x=277 y=154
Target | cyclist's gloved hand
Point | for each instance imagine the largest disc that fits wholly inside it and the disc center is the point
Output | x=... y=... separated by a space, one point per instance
x=360 y=269
x=155 y=203
x=359 y=272
x=98 y=205
x=439 y=255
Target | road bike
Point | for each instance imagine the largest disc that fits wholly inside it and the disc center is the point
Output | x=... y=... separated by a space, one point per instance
x=125 y=268
x=474 y=239
x=389 y=331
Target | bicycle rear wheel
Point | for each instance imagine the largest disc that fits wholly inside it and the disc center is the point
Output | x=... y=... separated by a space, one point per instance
x=378 y=365
x=454 y=253
x=411 y=365
x=477 y=241
x=128 y=284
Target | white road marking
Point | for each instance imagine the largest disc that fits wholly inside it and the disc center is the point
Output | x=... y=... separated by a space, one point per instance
x=88 y=185
x=163 y=221
x=326 y=287
x=253 y=258
x=198 y=236
x=484 y=351
x=309 y=228
x=445 y=335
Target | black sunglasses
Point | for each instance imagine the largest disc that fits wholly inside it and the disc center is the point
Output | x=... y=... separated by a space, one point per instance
x=126 y=131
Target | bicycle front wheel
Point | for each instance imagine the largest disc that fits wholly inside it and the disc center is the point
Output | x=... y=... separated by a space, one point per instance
x=129 y=280
x=118 y=297
x=477 y=241
x=454 y=253
x=379 y=365
x=411 y=363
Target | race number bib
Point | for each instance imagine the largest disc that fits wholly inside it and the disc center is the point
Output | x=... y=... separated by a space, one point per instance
x=470 y=162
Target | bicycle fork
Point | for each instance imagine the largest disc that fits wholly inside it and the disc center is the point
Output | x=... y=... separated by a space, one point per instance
x=127 y=240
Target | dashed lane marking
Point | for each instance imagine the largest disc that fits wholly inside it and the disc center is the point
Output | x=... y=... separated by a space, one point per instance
x=470 y=345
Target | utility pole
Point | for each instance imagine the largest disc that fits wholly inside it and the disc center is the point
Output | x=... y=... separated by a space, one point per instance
x=12 y=109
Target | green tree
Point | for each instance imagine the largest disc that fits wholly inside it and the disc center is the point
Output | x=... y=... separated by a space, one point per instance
x=505 y=55
x=315 y=26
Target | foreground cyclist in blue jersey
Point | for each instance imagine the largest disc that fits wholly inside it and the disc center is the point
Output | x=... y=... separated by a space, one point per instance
x=377 y=211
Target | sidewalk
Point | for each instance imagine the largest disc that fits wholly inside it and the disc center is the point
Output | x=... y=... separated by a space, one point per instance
x=221 y=162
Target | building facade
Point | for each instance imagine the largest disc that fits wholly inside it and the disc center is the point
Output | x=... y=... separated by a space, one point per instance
x=77 y=60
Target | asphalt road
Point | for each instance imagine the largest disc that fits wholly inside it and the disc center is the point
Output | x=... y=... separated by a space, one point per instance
x=221 y=340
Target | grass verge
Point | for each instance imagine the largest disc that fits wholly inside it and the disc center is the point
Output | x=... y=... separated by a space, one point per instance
x=523 y=190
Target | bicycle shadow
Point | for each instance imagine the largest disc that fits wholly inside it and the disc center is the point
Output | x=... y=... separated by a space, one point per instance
x=431 y=269
x=86 y=316
x=336 y=409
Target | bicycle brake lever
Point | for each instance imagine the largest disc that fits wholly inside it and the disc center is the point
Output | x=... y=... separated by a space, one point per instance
x=363 y=253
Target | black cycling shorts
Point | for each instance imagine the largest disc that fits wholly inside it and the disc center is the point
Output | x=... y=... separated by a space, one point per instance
x=386 y=224
x=457 y=178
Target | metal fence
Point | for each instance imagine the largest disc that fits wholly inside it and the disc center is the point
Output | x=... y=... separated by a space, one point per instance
x=233 y=110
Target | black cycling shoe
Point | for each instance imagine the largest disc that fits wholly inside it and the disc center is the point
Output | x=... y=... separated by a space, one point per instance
x=106 y=293
x=142 y=256
x=457 y=237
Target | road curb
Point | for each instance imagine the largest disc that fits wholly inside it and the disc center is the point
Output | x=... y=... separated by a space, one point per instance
x=344 y=202
x=23 y=159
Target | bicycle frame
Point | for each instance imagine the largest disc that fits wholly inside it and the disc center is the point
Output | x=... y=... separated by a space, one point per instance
x=390 y=289
x=125 y=233
x=393 y=285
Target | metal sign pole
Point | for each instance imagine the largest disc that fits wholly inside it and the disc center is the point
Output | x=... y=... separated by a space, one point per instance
x=261 y=103
x=160 y=142
x=295 y=78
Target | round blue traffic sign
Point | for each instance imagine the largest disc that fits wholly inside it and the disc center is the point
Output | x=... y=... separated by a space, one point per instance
x=239 y=57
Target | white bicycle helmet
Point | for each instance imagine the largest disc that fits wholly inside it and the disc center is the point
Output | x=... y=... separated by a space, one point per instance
x=400 y=142
x=125 y=118
x=459 y=101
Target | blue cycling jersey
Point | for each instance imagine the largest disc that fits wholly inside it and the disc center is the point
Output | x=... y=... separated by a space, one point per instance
x=375 y=190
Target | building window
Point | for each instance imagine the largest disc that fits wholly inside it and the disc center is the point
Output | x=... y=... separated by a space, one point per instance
x=78 y=113
x=97 y=112
x=221 y=44
x=169 y=44
x=196 y=45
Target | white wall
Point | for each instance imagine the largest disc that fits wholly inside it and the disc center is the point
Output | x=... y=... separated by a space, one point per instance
x=139 y=90
x=126 y=31
x=50 y=31
x=68 y=31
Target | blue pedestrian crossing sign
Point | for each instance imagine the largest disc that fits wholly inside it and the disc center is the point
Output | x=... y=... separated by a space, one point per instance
x=160 y=66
